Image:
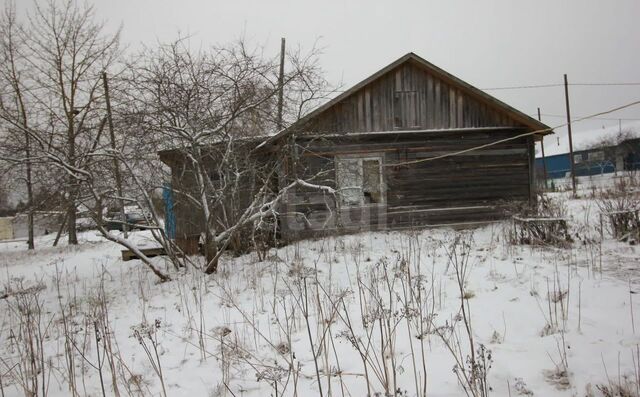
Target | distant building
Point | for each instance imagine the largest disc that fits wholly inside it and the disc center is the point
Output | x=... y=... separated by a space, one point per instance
x=624 y=156
x=43 y=224
x=6 y=228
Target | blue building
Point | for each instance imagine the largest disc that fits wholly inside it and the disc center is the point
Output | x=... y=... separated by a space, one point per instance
x=596 y=161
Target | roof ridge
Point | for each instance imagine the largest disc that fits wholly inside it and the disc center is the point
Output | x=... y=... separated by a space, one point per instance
x=439 y=73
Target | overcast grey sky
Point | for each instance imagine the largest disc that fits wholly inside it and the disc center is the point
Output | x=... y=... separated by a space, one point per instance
x=493 y=43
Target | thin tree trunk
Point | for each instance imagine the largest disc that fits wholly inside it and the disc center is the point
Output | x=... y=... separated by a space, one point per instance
x=27 y=148
x=211 y=252
x=71 y=188
x=71 y=218
x=60 y=230
x=27 y=152
x=116 y=166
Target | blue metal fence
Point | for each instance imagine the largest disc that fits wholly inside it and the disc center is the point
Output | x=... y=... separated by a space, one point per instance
x=170 y=216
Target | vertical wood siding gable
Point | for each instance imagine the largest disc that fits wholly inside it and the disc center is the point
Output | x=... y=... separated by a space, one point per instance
x=408 y=97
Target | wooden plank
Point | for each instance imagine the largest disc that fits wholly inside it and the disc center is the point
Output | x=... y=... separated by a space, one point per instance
x=452 y=109
x=459 y=110
x=367 y=110
x=128 y=255
x=376 y=94
x=421 y=102
x=444 y=107
x=361 y=116
x=438 y=122
x=397 y=110
x=430 y=111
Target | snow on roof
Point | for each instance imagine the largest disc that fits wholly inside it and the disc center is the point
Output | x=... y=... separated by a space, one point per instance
x=584 y=139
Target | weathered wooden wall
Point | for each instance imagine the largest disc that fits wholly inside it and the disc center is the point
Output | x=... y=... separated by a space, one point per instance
x=466 y=188
x=408 y=97
x=189 y=220
x=408 y=112
x=235 y=183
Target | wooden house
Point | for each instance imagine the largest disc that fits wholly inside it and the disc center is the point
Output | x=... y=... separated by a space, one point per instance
x=409 y=146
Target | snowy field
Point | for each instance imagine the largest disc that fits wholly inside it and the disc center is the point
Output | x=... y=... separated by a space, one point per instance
x=371 y=313
x=589 y=184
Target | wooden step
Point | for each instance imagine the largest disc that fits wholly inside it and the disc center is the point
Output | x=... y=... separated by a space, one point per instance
x=127 y=255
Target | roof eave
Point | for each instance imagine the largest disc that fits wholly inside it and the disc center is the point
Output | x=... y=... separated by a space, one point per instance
x=525 y=119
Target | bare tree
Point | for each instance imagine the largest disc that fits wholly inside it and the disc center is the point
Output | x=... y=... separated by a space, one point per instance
x=12 y=65
x=56 y=60
x=209 y=107
x=212 y=106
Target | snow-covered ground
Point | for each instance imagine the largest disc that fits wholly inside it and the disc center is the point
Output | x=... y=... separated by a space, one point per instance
x=380 y=307
x=588 y=183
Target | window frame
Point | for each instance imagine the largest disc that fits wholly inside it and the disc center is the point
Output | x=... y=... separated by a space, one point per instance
x=361 y=158
x=597 y=155
x=578 y=158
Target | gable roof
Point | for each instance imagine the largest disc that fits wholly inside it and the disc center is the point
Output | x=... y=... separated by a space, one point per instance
x=465 y=87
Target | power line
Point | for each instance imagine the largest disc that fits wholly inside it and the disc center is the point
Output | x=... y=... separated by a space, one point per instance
x=605 y=84
x=595 y=118
x=513 y=137
x=562 y=85
x=519 y=87
x=516 y=87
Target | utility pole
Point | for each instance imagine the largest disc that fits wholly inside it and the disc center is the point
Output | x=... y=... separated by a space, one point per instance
x=280 y=85
x=566 y=98
x=620 y=127
x=116 y=166
x=544 y=160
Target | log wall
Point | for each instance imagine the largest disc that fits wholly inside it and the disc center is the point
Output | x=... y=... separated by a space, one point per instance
x=466 y=188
